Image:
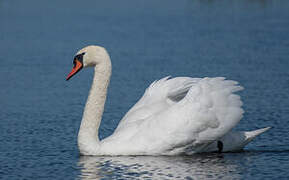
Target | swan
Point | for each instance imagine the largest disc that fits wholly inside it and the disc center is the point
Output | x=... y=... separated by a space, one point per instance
x=181 y=115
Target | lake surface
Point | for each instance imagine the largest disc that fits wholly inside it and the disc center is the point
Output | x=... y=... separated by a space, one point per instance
x=40 y=112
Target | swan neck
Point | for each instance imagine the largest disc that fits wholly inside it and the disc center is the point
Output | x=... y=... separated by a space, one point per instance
x=88 y=140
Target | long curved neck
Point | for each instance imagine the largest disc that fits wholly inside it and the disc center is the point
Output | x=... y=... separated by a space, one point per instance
x=88 y=141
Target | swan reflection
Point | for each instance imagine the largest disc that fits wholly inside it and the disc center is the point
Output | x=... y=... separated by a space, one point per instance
x=158 y=167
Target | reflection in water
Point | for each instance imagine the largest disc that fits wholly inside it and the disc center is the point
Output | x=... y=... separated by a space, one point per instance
x=158 y=167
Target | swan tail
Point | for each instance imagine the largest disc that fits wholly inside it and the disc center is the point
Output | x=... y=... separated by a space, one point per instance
x=250 y=135
x=234 y=141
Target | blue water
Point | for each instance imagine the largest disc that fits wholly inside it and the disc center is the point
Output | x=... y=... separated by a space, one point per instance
x=40 y=112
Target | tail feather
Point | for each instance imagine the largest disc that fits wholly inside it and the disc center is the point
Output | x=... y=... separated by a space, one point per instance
x=234 y=140
x=250 y=135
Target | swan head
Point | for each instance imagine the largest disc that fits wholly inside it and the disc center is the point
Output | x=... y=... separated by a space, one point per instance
x=88 y=57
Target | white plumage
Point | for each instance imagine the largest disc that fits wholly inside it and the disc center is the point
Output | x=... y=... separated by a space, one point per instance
x=180 y=115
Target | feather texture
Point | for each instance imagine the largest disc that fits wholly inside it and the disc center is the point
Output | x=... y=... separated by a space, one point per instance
x=179 y=115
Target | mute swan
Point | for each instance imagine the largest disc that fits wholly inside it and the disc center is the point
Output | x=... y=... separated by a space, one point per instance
x=181 y=115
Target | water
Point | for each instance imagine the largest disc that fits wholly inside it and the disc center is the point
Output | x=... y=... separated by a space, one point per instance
x=40 y=113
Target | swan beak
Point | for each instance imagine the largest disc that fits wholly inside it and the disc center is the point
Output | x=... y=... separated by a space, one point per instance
x=76 y=68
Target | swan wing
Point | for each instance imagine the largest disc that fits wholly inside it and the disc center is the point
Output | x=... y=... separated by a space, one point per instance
x=158 y=97
x=212 y=109
x=209 y=110
x=180 y=115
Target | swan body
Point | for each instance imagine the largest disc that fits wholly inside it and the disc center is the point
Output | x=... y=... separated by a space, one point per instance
x=179 y=115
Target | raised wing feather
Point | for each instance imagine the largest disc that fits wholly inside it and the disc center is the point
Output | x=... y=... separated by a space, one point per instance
x=209 y=110
x=216 y=109
x=158 y=97
x=179 y=115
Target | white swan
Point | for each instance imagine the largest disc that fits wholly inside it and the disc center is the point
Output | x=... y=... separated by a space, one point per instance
x=181 y=115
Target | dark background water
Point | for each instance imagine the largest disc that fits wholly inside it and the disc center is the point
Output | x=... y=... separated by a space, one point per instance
x=40 y=113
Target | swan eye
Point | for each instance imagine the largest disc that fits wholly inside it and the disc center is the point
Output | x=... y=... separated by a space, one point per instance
x=78 y=57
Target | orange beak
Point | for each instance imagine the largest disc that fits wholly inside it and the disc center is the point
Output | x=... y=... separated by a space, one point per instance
x=76 y=68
